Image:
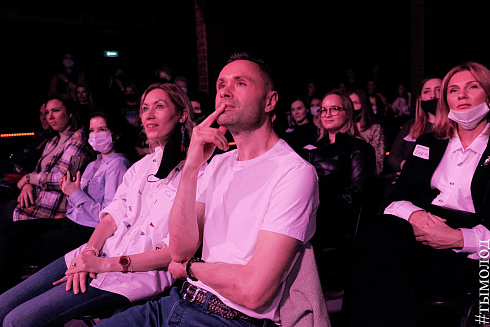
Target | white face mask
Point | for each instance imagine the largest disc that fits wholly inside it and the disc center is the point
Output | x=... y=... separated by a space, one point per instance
x=101 y=142
x=470 y=118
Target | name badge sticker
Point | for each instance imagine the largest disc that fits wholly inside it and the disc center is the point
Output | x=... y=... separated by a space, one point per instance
x=421 y=152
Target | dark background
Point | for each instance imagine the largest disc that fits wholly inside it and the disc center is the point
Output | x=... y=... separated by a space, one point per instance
x=302 y=41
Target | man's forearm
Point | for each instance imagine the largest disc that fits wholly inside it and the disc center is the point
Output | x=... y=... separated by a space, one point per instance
x=183 y=225
x=229 y=280
x=255 y=283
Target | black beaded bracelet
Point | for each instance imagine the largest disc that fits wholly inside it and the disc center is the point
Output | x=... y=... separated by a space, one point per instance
x=188 y=268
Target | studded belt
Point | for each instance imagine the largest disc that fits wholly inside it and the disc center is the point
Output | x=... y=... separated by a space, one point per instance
x=198 y=296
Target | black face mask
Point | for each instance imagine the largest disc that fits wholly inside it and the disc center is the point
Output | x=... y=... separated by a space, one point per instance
x=174 y=151
x=429 y=106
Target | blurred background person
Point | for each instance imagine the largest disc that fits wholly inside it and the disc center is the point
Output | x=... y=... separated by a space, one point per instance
x=401 y=105
x=369 y=129
x=315 y=105
x=304 y=132
x=84 y=104
x=19 y=163
x=163 y=74
x=64 y=81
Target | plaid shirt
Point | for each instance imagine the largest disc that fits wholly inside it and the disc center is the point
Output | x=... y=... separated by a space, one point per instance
x=50 y=201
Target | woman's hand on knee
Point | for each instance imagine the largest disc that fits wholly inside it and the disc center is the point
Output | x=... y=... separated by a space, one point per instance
x=26 y=197
x=60 y=281
x=77 y=282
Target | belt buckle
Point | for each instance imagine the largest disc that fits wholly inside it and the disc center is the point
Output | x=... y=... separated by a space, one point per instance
x=186 y=294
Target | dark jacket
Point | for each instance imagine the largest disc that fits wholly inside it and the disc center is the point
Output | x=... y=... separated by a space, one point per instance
x=300 y=136
x=414 y=184
x=346 y=173
x=402 y=149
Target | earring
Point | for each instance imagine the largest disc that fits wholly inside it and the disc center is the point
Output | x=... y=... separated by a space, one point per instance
x=182 y=133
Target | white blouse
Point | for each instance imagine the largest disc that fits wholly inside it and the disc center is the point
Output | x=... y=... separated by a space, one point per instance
x=141 y=208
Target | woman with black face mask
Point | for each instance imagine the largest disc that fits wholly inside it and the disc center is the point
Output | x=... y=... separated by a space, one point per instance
x=425 y=116
x=369 y=128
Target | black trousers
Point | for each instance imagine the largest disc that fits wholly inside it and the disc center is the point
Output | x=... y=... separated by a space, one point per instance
x=392 y=275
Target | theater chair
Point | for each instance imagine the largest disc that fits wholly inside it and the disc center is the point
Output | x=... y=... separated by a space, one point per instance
x=452 y=308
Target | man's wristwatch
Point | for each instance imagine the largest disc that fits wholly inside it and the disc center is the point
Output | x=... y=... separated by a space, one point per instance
x=125 y=262
x=28 y=178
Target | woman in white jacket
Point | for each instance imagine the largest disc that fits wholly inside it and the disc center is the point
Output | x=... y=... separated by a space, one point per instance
x=126 y=258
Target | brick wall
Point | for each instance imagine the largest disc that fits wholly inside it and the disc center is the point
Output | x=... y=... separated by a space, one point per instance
x=418 y=49
x=202 y=47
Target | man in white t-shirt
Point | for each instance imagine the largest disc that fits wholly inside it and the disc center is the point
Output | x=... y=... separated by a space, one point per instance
x=252 y=211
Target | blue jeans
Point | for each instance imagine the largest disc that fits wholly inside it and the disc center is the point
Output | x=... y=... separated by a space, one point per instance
x=171 y=311
x=36 y=302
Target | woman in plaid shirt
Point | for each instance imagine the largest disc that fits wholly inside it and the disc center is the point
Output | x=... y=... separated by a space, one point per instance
x=41 y=203
x=41 y=196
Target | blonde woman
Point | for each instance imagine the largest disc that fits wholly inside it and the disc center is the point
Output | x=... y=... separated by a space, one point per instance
x=126 y=258
x=428 y=240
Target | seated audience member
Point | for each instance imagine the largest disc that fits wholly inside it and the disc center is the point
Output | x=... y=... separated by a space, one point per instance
x=41 y=204
x=163 y=74
x=116 y=88
x=401 y=105
x=127 y=256
x=182 y=82
x=84 y=104
x=255 y=207
x=41 y=196
x=304 y=131
x=311 y=91
x=13 y=168
x=130 y=111
x=378 y=100
x=382 y=112
x=131 y=104
x=87 y=195
x=345 y=165
x=199 y=108
x=315 y=104
x=428 y=242
x=369 y=130
x=425 y=117
x=68 y=76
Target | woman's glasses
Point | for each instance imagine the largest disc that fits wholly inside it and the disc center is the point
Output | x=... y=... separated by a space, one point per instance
x=334 y=111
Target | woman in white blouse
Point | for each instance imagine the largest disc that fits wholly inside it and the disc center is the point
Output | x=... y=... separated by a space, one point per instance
x=436 y=226
x=126 y=258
